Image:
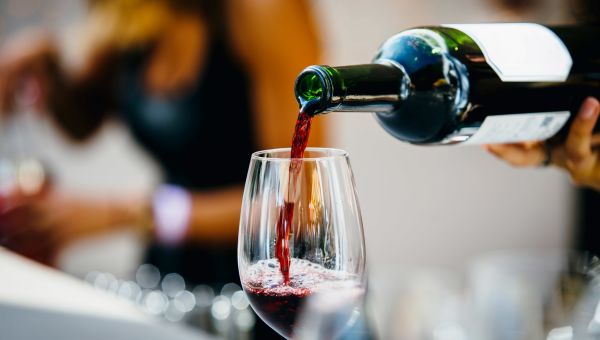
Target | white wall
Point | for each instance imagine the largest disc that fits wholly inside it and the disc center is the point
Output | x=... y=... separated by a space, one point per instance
x=436 y=206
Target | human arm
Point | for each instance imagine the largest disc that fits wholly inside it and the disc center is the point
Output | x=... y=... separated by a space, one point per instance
x=41 y=227
x=276 y=39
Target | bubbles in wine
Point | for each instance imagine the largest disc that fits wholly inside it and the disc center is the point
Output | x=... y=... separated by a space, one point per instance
x=305 y=277
x=278 y=302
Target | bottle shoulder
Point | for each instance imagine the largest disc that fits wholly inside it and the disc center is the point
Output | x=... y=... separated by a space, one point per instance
x=434 y=63
x=429 y=44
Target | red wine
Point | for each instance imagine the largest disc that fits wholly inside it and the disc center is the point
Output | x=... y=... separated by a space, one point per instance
x=286 y=213
x=277 y=302
x=300 y=138
x=282 y=242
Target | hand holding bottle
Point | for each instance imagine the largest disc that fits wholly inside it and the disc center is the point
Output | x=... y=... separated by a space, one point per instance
x=577 y=155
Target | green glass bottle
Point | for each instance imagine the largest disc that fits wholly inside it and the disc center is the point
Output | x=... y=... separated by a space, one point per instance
x=479 y=83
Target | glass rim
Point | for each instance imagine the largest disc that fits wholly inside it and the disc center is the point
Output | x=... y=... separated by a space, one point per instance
x=333 y=154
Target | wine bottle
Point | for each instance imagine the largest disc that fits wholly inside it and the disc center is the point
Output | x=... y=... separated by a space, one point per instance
x=469 y=83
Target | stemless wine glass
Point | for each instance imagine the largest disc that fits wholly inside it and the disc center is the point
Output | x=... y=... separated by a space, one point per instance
x=326 y=242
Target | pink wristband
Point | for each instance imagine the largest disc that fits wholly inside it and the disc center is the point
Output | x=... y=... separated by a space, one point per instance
x=172 y=209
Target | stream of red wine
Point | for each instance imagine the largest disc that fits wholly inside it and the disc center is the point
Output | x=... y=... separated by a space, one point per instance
x=286 y=213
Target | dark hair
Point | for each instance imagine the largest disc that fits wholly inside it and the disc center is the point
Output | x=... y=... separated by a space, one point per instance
x=586 y=11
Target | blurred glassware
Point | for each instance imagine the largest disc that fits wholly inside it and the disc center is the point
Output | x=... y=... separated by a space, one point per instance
x=147 y=276
x=200 y=315
x=204 y=295
x=174 y=312
x=326 y=243
x=130 y=291
x=231 y=314
x=172 y=284
x=535 y=295
x=227 y=315
x=511 y=295
x=156 y=302
x=185 y=300
x=229 y=289
x=416 y=304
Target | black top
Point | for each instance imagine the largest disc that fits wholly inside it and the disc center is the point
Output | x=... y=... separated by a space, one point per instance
x=202 y=139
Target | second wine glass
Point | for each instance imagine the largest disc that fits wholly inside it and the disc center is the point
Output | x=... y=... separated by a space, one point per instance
x=324 y=239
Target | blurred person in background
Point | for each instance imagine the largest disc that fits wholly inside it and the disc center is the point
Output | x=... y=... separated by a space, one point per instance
x=578 y=155
x=201 y=84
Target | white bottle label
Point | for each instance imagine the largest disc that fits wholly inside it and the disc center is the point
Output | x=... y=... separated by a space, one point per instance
x=521 y=51
x=519 y=127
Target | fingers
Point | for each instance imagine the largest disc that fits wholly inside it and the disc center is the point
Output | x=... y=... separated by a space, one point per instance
x=524 y=154
x=578 y=146
x=581 y=157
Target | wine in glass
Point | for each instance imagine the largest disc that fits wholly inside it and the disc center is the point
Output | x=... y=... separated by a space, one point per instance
x=300 y=232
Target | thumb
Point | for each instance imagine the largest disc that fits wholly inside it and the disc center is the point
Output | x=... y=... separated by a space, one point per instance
x=578 y=145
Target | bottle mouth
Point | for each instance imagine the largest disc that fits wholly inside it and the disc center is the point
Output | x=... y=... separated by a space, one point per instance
x=313 y=89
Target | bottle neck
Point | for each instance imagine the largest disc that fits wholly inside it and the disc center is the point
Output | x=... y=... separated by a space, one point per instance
x=362 y=88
